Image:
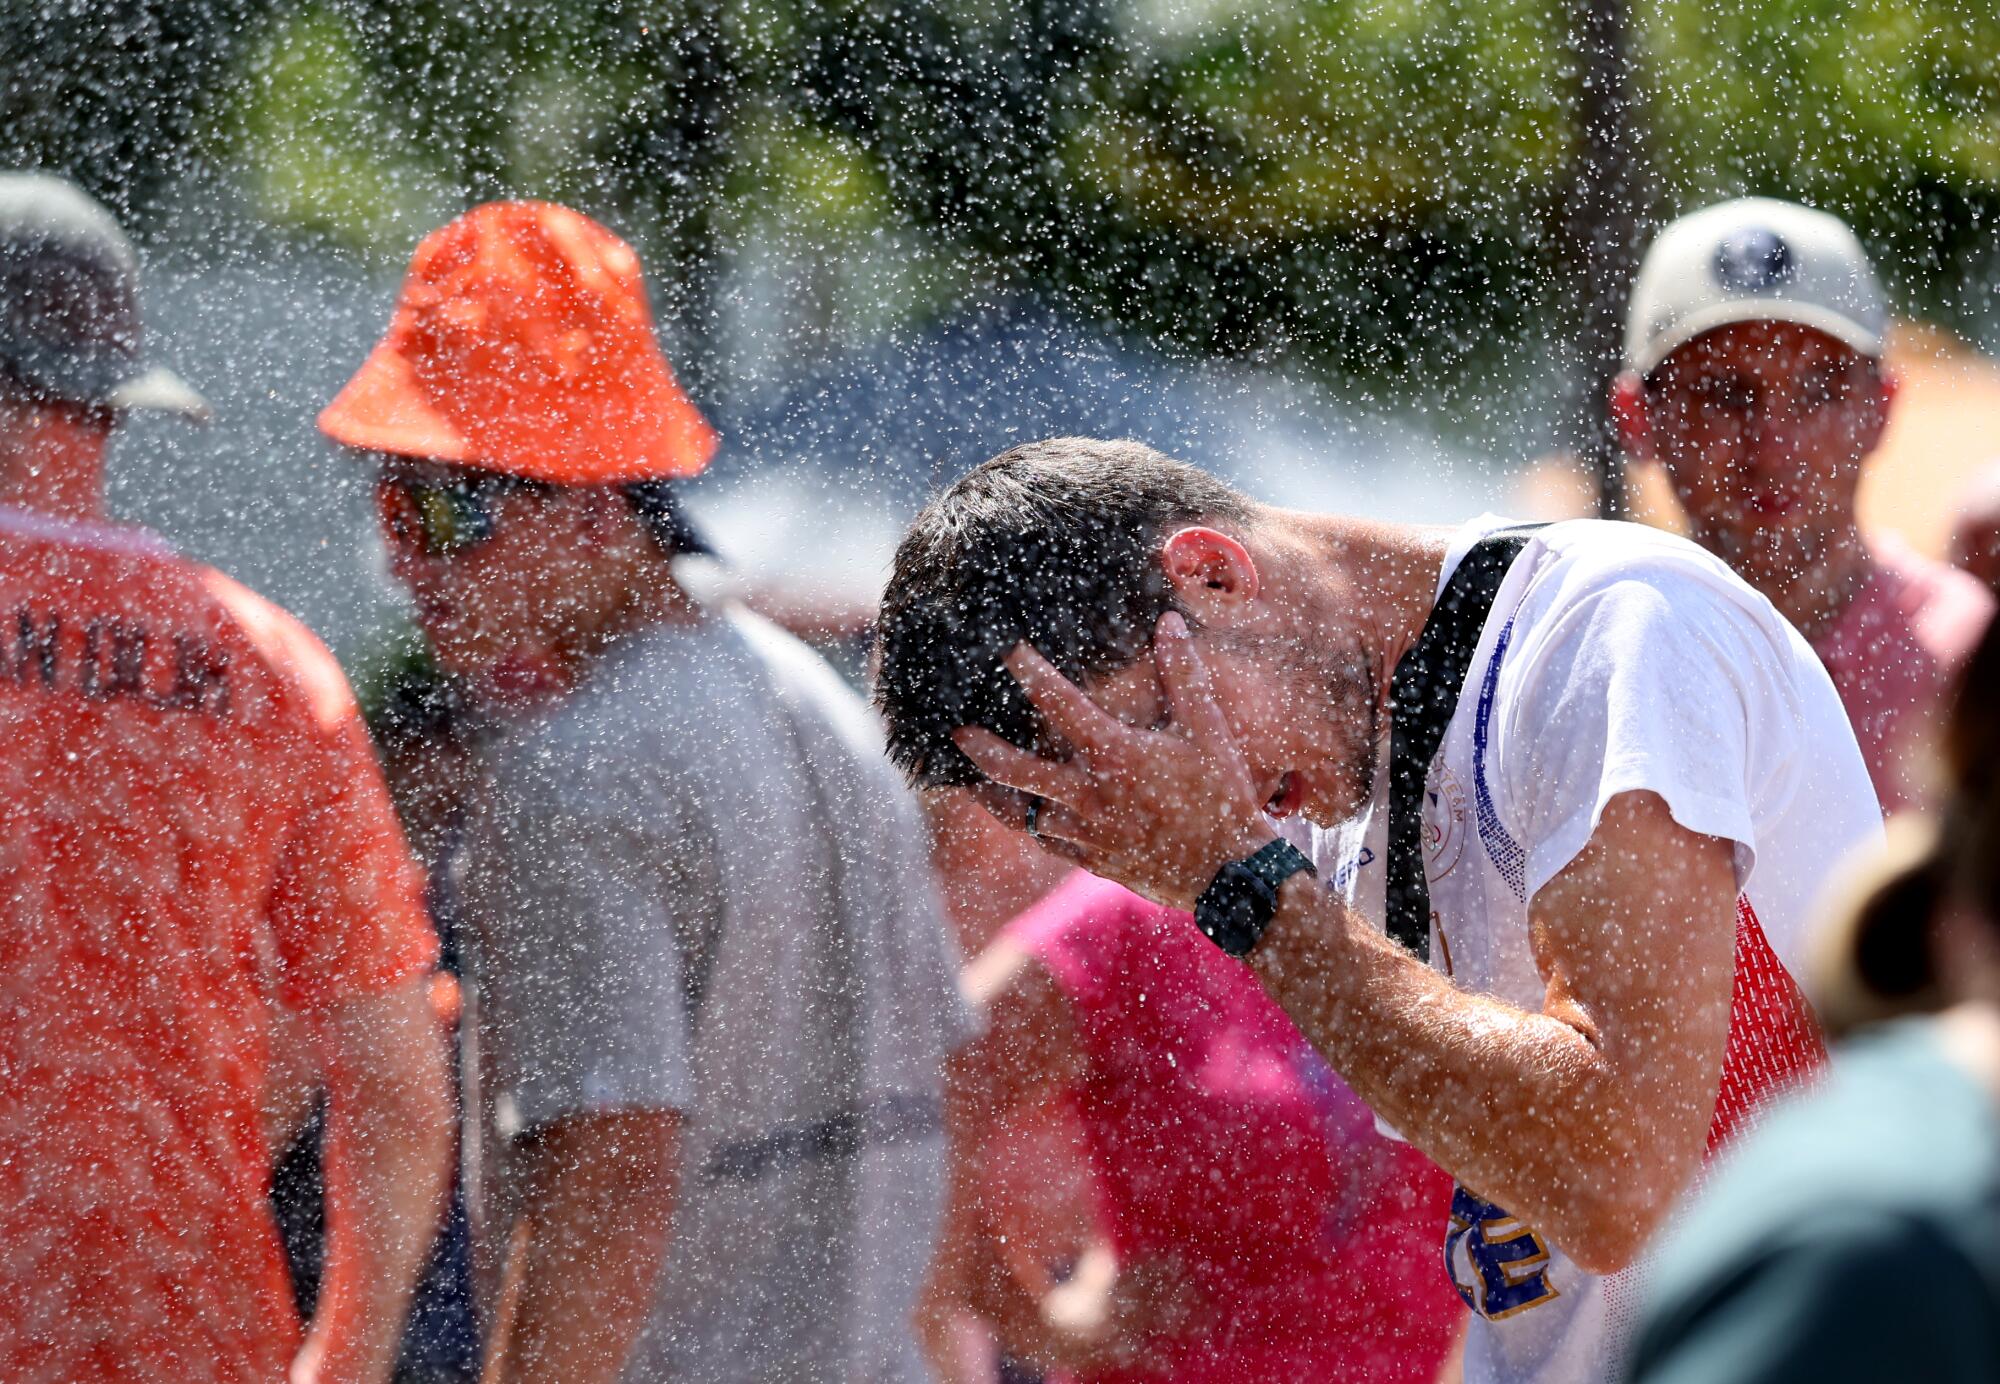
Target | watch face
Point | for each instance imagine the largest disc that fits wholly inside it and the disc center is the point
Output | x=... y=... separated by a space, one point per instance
x=1236 y=909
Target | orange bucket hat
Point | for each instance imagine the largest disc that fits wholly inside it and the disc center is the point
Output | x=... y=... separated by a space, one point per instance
x=522 y=343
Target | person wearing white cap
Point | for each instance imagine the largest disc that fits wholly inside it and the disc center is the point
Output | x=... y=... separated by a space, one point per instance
x=1755 y=378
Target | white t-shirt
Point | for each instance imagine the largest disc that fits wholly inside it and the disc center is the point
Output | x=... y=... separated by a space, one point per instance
x=1616 y=658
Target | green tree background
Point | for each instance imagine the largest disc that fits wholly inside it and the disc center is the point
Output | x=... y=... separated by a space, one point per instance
x=1355 y=186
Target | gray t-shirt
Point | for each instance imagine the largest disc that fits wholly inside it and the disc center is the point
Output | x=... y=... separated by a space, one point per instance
x=698 y=885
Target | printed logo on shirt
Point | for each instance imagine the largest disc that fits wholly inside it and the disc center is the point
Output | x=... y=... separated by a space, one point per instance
x=1506 y=1263
x=1344 y=875
x=114 y=660
x=1443 y=820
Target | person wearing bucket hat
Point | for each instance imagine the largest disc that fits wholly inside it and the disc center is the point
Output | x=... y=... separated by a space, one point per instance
x=1755 y=378
x=710 y=990
x=1853 y=1237
x=199 y=840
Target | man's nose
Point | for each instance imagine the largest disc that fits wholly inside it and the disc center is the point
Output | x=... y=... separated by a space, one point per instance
x=1772 y=443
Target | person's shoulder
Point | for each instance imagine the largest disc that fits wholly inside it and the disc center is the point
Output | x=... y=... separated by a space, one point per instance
x=660 y=710
x=682 y=665
x=280 y=642
x=814 y=692
x=104 y=564
x=1584 y=554
x=1591 y=577
x=666 y=688
x=1853 y=1291
x=1085 y=910
x=1100 y=938
x=792 y=662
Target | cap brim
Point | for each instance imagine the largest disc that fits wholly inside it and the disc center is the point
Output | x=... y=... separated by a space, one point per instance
x=160 y=390
x=1840 y=327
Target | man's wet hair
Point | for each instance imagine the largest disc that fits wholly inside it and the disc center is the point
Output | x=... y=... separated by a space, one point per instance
x=1056 y=543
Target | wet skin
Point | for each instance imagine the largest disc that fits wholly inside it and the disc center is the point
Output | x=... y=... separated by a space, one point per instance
x=1585 y=1118
x=1307 y=733
x=1296 y=671
x=1762 y=428
x=520 y=608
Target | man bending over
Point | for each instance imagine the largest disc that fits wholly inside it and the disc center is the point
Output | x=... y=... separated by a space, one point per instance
x=1596 y=876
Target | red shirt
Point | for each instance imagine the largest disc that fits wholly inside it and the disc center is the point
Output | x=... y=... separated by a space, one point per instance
x=1221 y=1136
x=1895 y=654
x=191 y=822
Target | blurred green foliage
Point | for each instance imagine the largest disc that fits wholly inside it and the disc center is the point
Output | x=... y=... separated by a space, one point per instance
x=1343 y=181
x=1887 y=111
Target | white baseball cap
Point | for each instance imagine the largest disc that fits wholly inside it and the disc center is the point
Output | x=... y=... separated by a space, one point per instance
x=1753 y=260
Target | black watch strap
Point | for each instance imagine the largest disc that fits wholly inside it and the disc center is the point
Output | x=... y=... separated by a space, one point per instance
x=1241 y=900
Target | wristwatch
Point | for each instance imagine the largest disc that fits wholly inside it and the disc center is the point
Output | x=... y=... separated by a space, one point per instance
x=1241 y=900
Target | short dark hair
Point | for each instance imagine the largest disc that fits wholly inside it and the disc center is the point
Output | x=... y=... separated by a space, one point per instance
x=1055 y=543
x=659 y=508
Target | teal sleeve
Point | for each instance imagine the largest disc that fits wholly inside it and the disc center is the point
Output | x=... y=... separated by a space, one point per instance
x=1856 y=1296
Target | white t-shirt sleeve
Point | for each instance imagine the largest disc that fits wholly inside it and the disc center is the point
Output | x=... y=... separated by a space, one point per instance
x=584 y=991
x=1643 y=684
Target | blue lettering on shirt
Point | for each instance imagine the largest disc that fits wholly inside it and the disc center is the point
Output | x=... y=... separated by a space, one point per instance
x=1509 y=1260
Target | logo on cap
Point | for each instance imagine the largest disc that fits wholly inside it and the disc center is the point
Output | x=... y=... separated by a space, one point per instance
x=1756 y=260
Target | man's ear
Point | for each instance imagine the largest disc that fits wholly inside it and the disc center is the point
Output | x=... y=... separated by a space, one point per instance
x=1630 y=417
x=1212 y=574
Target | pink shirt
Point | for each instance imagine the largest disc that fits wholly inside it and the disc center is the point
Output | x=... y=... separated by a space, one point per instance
x=1895 y=654
x=1220 y=1136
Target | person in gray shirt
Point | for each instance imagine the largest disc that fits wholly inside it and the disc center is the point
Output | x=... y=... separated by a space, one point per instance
x=712 y=992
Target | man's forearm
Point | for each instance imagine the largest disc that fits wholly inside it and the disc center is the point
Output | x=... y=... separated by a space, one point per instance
x=1516 y=1105
x=388 y=1148
x=592 y=1244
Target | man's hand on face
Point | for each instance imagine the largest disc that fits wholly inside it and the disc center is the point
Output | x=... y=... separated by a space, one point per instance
x=1159 y=811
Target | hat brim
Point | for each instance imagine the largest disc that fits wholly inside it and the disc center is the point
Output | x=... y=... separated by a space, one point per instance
x=382 y=409
x=1839 y=326
x=385 y=408
x=160 y=390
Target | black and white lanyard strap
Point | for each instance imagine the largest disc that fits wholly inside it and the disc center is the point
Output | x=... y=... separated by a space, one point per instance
x=1423 y=694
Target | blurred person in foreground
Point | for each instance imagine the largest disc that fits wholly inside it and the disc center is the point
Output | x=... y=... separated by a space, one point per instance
x=711 y=987
x=197 y=840
x=1129 y=1069
x=1856 y=1235
x=1592 y=865
x=1754 y=376
x=1974 y=547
